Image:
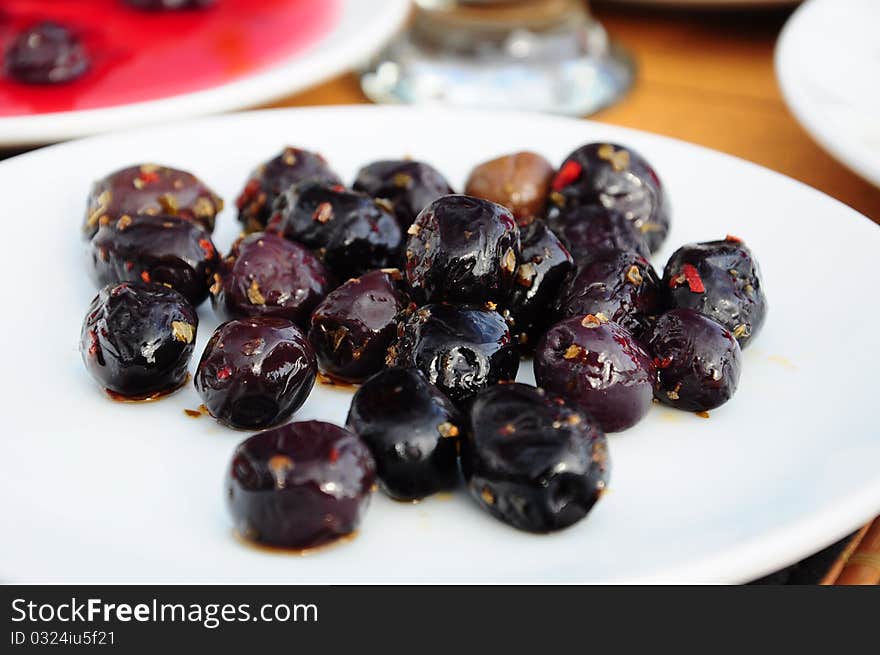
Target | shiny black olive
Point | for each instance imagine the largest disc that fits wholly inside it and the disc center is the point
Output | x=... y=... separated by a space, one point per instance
x=150 y=189
x=46 y=53
x=272 y=178
x=411 y=428
x=165 y=249
x=532 y=460
x=300 y=486
x=354 y=325
x=590 y=230
x=256 y=372
x=698 y=361
x=617 y=178
x=137 y=339
x=599 y=365
x=408 y=185
x=622 y=286
x=543 y=266
x=462 y=249
x=267 y=275
x=350 y=231
x=722 y=280
x=460 y=349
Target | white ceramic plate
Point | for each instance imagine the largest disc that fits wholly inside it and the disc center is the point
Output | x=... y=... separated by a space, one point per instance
x=96 y=491
x=359 y=31
x=827 y=61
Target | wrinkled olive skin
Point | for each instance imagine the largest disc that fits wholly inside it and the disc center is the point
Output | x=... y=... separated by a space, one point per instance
x=733 y=293
x=460 y=349
x=150 y=189
x=587 y=231
x=137 y=339
x=698 y=361
x=350 y=231
x=256 y=372
x=169 y=5
x=531 y=460
x=601 y=367
x=354 y=325
x=520 y=182
x=462 y=249
x=412 y=429
x=543 y=268
x=299 y=486
x=408 y=185
x=267 y=275
x=164 y=249
x=617 y=178
x=272 y=178
x=46 y=53
x=623 y=286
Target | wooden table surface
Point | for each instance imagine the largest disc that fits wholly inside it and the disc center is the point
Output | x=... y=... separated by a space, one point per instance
x=705 y=77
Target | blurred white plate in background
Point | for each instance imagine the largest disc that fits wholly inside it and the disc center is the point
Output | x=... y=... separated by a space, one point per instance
x=360 y=30
x=97 y=491
x=828 y=64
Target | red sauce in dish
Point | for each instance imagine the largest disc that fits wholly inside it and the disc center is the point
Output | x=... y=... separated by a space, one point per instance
x=139 y=56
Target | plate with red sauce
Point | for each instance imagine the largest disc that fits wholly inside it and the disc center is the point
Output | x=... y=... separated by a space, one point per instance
x=148 y=66
x=101 y=491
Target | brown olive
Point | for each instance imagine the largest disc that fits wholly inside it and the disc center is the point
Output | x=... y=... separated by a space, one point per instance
x=520 y=182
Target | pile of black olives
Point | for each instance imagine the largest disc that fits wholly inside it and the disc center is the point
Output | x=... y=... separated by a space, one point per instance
x=427 y=300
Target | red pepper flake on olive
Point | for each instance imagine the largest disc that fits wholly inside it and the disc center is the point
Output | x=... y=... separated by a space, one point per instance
x=570 y=171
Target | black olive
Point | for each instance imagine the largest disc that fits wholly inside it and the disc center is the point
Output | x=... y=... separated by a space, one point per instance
x=543 y=266
x=165 y=249
x=698 y=361
x=354 y=325
x=267 y=275
x=300 y=486
x=137 y=339
x=150 y=189
x=46 y=53
x=460 y=349
x=408 y=185
x=622 y=286
x=274 y=177
x=350 y=231
x=599 y=365
x=589 y=230
x=256 y=372
x=617 y=178
x=411 y=428
x=462 y=249
x=722 y=280
x=532 y=460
